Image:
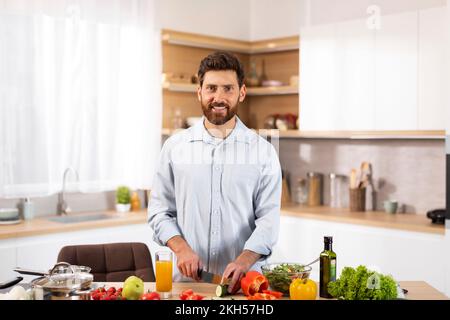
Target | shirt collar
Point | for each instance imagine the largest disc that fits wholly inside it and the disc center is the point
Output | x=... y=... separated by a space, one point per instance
x=240 y=133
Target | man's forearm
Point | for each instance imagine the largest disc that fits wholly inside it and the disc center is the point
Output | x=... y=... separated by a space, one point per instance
x=177 y=244
x=248 y=258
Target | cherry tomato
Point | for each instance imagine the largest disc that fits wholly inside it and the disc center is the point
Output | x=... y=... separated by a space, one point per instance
x=151 y=296
x=195 y=297
x=185 y=294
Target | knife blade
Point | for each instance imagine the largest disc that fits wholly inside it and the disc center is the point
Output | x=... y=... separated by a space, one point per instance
x=209 y=277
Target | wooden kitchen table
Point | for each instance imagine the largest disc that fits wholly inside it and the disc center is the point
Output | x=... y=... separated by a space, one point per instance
x=417 y=290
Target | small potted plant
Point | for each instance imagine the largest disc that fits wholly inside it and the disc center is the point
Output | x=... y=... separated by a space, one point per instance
x=123 y=199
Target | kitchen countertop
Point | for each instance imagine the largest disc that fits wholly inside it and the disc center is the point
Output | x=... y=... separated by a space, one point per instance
x=399 y=221
x=417 y=290
x=40 y=225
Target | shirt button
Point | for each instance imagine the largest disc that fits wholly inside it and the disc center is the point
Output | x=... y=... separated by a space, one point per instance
x=217 y=168
x=213 y=253
x=216 y=211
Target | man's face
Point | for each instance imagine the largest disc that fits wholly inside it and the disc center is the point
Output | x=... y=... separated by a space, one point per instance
x=220 y=95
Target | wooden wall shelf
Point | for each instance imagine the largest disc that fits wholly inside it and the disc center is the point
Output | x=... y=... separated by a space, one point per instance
x=217 y=43
x=251 y=91
x=352 y=135
x=277 y=59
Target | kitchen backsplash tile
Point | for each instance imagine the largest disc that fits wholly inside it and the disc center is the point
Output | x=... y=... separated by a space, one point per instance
x=410 y=171
x=78 y=202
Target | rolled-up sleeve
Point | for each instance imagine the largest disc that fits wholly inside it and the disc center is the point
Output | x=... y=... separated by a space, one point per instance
x=162 y=207
x=267 y=208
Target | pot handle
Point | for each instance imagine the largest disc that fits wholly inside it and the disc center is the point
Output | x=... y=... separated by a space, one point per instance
x=59 y=264
x=30 y=272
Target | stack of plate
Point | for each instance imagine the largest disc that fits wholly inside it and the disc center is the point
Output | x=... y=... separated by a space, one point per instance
x=9 y=216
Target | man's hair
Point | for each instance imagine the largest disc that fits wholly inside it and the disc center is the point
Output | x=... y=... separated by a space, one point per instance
x=221 y=61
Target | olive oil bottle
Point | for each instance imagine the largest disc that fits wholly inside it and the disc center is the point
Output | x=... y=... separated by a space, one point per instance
x=327 y=267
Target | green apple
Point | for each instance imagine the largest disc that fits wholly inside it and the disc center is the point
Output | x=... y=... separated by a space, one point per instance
x=133 y=288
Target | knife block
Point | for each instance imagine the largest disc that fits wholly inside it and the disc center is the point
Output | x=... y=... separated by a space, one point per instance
x=358 y=199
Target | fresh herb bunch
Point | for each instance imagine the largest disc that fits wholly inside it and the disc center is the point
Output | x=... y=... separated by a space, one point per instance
x=363 y=284
x=280 y=277
x=123 y=195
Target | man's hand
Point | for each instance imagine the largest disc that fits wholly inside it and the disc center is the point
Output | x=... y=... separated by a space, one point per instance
x=238 y=268
x=188 y=262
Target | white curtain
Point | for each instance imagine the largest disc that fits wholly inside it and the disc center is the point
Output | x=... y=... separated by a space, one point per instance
x=79 y=87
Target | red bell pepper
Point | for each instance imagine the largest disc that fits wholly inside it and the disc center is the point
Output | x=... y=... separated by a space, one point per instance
x=276 y=294
x=254 y=282
x=262 y=296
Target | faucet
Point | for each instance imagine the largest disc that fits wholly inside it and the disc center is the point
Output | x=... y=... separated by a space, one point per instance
x=63 y=207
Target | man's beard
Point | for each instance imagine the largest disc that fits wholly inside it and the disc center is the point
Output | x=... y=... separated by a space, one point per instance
x=217 y=118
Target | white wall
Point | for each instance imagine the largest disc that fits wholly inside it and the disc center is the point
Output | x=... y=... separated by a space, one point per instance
x=229 y=19
x=275 y=18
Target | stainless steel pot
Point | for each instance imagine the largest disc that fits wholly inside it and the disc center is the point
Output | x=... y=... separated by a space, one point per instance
x=62 y=282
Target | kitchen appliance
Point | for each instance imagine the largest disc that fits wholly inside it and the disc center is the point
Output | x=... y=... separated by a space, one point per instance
x=63 y=282
x=437 y=216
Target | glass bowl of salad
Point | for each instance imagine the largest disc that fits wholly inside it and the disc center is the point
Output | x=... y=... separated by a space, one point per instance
x=280 y=275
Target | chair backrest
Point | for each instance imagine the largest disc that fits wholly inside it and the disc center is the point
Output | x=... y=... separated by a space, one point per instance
x=111 y=262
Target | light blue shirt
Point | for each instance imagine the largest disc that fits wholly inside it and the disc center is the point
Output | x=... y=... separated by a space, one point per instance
x=221 y=195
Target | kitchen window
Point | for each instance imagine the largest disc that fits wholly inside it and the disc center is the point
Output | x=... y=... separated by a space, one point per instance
x=79 y=87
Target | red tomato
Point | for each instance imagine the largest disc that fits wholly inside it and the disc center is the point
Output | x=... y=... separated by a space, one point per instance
x=186 y=293
x=151 y=296
x=111 y=290
x=195 y=297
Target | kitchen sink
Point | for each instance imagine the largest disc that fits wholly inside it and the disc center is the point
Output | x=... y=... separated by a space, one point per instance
x=80 y=218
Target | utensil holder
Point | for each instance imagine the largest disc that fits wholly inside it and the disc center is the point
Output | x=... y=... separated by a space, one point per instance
x=358 y=199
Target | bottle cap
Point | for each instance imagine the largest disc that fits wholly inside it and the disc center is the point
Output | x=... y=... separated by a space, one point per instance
x=328 y=239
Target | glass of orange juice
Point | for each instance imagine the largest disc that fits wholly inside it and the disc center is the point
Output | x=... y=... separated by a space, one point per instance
x=164 y=274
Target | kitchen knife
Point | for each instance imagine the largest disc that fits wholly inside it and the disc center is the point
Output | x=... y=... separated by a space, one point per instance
x=209 y=277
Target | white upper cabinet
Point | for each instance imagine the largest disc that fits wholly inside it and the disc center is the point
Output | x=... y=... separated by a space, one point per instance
x=391 y=78
x=396 y=72
x=318 y=78
x=355 y=63
x=431 y=74
x=337 y=77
